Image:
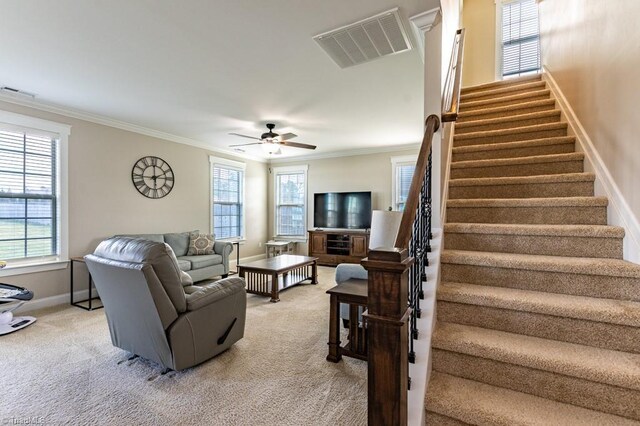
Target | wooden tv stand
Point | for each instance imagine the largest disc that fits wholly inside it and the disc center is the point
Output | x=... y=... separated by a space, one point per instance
x=334 y=246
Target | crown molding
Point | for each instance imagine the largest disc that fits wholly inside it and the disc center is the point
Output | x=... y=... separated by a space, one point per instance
x=422 y=23
x=122 y=125
x=347 y=153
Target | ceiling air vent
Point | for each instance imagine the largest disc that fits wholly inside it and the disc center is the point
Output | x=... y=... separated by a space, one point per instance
x=365 y=40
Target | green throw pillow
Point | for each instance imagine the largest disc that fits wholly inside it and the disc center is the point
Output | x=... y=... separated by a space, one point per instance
x=200 y=244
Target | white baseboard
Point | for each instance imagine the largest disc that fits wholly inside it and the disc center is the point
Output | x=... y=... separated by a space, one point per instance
x=59 y=299
x=232 y=262
x=619 y=212
x=421 y=370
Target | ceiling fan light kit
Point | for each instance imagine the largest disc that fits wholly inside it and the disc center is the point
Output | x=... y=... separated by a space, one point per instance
x=271 y=141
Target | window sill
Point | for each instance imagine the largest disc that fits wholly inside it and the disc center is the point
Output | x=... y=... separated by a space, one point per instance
x=30 y=268
x=290 y=239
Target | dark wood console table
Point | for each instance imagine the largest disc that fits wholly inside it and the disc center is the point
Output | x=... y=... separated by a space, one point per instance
x=354 y=293
x=332 y=247
x=263 y=276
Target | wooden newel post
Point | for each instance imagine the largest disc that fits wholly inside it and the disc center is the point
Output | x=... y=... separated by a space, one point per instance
x=387 y=318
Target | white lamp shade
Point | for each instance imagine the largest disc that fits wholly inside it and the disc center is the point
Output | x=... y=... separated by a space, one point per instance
x=384 y=228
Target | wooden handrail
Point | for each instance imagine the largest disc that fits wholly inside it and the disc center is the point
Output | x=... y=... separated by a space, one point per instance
x=409 y=215
x=453 y=84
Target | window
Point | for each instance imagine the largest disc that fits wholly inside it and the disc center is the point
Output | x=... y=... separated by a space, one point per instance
x=32 y=191
x=402 y=174
x=227 y=197
x=520 y=38
x=291 y=201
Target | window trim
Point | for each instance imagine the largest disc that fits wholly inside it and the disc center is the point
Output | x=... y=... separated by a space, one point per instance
x=304 y=168
x=401 y=160
x=498 y=41
x=232 y=164
x=61 y=132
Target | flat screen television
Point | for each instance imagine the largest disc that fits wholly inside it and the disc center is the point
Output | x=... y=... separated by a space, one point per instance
x=347 y=210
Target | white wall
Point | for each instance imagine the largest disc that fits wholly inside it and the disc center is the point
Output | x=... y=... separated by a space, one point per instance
x=592 y=51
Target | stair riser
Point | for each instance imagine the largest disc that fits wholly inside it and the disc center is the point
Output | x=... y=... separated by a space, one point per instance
x=607 y=248
x=515 y=152
x=571 y=390
x=584 y=332
x=511 y=137
x=607 y=287
x=514 y=110
x=569 y=189
x=483 y=95
x=500 y=84
x=435 y=419
x=498 y=102
x=529 y=215
x=531 y=169
x=508 y=124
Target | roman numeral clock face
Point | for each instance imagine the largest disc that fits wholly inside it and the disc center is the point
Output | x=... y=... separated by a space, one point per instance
x=152 y=177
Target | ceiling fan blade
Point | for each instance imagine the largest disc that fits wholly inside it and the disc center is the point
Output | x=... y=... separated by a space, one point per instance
x=245 y=144
x=297 y=145
x=245 y=136
x=287 y=136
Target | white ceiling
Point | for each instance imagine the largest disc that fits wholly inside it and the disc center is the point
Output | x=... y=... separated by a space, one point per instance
x=200 y=69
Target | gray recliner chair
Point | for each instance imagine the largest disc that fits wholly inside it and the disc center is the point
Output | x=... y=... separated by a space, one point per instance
x=154 y=310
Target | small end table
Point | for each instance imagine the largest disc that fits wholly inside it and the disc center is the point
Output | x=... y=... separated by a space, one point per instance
x=78 y=303
x=353 y=292
x=276 y=248
x=237 y=244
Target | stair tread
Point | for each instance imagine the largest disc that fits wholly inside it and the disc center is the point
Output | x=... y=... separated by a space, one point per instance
x=492 y=110
x=511 y=131
x=479 y=403
x=507 y=119
x=503 y=89
x=559 y=305
x=530 y=202
x=501 y=83
x=586 y=362
x=531 y=262
x=556 y=140
x=524 y=180
x=591 y=231
x=532 y=159
x=507 y=98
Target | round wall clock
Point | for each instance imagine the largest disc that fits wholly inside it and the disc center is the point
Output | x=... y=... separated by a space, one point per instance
x=152 y=177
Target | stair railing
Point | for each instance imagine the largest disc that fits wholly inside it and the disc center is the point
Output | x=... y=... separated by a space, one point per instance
x=453 y=83
x=396 y=276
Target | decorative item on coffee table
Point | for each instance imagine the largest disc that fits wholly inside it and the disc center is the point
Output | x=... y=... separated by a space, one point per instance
x=268 y=277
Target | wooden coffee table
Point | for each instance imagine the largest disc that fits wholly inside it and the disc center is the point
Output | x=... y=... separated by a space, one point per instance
x=268 y=277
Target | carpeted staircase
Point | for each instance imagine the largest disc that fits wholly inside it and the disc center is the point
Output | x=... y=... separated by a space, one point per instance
x=538 y=316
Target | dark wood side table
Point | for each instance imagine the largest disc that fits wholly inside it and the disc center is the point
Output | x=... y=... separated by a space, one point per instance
x=354 y=293
x=89 y=301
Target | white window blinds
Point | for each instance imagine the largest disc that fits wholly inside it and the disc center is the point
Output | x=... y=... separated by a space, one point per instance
x=404 y=174
x=290 y=204
x=227 y=202
x=28 y=196
x=520 y=38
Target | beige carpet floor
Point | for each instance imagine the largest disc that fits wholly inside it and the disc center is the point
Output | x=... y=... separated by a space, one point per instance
x=64 y=370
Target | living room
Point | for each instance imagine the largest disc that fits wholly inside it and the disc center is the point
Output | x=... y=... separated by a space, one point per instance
x=179 y=101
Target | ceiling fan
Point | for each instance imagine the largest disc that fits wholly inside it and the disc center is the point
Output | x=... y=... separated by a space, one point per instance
x=273 y=141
